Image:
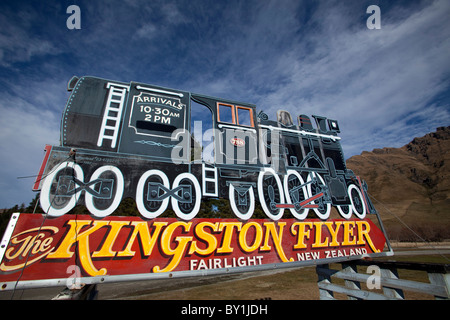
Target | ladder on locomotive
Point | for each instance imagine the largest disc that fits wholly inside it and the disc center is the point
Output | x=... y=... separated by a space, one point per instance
x=113 y=113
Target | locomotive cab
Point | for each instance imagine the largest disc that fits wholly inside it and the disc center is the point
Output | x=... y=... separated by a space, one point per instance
x=234 y=131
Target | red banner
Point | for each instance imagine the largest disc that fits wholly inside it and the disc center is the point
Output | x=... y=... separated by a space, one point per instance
x=47 y=248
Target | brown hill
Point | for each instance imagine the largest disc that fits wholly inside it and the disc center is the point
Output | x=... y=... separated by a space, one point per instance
x=413 y=182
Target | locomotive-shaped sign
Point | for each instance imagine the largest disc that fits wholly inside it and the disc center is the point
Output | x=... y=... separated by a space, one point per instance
x=167 y=148
x=137 y=140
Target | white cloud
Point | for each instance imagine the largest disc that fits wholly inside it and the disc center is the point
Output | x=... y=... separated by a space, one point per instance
x=24 y=132
x=327 y=62
x=147 y=31
x=31 y=112
x=17 y=44
x=369 y=79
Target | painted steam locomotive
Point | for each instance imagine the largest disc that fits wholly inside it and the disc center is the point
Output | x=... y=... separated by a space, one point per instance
x=137 y=140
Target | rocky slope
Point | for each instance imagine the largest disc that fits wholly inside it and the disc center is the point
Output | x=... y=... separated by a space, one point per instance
x=413 y=181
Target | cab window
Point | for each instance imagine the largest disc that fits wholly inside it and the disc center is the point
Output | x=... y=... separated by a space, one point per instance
x=237 y=115
x=226 y=113
x=244 y=116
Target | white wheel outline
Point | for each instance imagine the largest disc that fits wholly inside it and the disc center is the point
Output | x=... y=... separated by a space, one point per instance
x=251 y=209
x=294 y=212
x=140 y=194
x=261 y=193
x=322 y=216
x=198 y=193
x=363 y=214
x=89 y=198
x=46 y=204
x=343 y=214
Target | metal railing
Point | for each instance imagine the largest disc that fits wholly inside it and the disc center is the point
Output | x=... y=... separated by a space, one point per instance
x=381 y=281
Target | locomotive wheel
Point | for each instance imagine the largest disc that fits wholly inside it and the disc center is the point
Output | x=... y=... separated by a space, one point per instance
x=54 y=200
x=324 y=210
x=270 y=193
x=104 y=207
x=345 y=211
x=293 y=183
x=242 y=211
x=149 y=208
x=357 y=200
x=189 y=207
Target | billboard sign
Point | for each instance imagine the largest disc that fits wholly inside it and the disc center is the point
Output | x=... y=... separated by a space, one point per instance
x=119 y=248
x=277 y=181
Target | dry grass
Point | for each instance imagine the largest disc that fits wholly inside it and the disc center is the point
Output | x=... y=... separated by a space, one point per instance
x=298 y=284
x=293 y=284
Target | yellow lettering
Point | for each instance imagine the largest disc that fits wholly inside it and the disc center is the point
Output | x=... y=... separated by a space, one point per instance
x=63 y=251
x=147 y=241
x=243 y=237
x=106 y=249
x=178 y=252
x=74 y=235
x=207 y=237
x=334 y=232
x=39 y=251
x=302 y=233
x=277 y=238
x=348 y=233
x=46 y=244
x=364 y=233
x=226 y=240
x=318 y=240
x=37 y=243
x=14 y=241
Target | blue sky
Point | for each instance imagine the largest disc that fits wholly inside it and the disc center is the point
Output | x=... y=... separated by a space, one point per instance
x=308 y=57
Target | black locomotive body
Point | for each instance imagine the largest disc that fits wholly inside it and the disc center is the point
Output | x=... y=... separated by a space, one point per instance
x=137 y=140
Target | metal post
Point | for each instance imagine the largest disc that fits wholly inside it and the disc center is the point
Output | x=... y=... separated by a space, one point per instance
x=391 y=273
x=440 y=279
x=355 y=285
x=324 y=280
